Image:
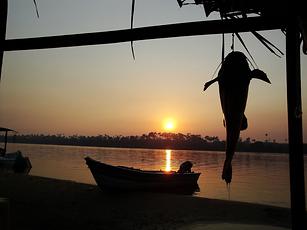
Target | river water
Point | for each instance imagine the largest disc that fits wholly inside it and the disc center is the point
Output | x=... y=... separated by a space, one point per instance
x=257 y=177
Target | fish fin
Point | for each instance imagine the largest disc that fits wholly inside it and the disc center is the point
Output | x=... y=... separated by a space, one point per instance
x=208 y=83
x=259 y=74
x=244 y=123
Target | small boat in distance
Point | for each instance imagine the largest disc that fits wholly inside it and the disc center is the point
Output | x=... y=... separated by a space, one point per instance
x=15 y=161
x=109 y=177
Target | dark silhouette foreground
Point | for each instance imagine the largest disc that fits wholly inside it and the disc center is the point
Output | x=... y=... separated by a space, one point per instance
x=37 y=203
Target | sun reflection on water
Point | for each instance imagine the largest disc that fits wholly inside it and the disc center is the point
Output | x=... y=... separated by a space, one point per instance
x=252 y=181
x=168 y=166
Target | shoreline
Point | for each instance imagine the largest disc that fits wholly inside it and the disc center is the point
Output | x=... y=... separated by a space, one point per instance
x=45 y=203
x=158 y=148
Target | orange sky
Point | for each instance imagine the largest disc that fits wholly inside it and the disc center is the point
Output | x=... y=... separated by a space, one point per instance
x=100 y=89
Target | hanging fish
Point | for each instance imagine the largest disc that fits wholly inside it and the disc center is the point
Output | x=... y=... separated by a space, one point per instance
x=233 y=78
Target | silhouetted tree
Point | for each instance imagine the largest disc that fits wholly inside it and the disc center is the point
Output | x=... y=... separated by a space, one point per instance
x=152 y=140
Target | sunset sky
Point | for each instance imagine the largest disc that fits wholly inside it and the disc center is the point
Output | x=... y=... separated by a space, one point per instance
x=102 y=90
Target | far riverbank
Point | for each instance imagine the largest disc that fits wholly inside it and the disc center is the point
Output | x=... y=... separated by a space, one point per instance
x=154 y=141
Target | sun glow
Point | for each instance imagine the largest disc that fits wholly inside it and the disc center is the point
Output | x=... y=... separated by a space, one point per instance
x=169 y=125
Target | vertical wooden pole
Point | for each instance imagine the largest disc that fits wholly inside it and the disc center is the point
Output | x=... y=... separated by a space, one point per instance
x=295 y=132
x=3 y=20
x=5 y=142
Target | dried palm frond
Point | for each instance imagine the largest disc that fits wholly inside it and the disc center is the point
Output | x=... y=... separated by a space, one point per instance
x=236 y=9
x=267 y=43
x=36 y=8
x=132 y=17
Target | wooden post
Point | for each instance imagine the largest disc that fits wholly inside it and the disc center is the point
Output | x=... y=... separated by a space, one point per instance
x=5 y=142
x=3 y=19
x=295 y=133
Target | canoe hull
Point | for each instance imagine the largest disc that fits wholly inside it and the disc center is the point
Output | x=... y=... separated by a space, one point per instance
x=124 y=178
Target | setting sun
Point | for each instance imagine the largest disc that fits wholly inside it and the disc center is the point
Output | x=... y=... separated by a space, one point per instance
x=169 y=125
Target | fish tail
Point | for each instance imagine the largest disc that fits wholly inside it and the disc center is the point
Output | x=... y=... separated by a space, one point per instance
x=227 y=171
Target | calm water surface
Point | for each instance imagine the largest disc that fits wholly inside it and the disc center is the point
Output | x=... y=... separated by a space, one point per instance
x=257 y=178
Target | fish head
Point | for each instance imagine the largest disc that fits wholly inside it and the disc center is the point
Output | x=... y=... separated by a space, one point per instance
x=235 y=70
x=235 y=58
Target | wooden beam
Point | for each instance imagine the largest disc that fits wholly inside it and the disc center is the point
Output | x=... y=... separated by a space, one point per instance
x=145 y=33
x=3 y=20
x=295 y=133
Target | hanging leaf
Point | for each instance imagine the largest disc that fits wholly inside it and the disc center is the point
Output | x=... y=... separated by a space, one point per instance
x=267 y=43
x=132 y=17
x=36 y=8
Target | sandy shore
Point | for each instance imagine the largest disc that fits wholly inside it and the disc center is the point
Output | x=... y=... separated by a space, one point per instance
x=43 y=203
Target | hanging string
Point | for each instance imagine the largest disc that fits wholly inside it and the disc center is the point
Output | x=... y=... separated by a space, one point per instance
x=223 y=47
x=207 y=84
x=223 y=52
x=215 y=71
x=223 y=41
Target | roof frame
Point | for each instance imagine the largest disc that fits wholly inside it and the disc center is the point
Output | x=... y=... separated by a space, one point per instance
x=146 y=33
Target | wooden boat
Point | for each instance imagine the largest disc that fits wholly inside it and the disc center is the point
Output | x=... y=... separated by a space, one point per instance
x=15 y=161
x=126 y=178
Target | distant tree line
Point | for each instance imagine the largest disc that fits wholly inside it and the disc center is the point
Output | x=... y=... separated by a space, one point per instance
x=153 y=140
